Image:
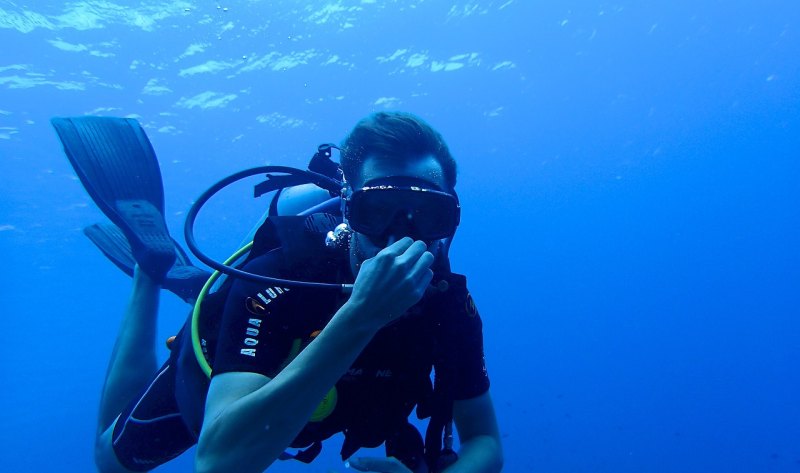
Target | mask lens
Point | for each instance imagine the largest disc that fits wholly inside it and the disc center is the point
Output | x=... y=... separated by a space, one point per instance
x=372 y=212
x=435 y=216
x=422 y=214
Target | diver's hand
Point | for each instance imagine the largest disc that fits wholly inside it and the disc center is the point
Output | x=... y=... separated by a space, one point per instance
x=392 y=281
x=381 y=465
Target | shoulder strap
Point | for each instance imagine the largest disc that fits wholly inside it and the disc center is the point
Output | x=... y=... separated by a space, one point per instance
x=445 y=305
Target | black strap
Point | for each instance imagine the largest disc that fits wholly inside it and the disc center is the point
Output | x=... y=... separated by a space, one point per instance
x=441 y=403
x=433 y=435
x=406 y=445
x=273 y=204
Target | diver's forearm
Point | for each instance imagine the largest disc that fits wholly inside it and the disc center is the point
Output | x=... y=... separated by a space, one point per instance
x=481 y=454
x=252 y=432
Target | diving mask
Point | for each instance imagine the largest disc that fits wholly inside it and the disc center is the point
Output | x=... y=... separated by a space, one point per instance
x=422 y=213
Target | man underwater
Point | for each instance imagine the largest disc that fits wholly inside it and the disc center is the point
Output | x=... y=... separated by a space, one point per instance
x=293 y=365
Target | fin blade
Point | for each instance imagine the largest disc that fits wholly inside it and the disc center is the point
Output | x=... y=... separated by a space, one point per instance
x=118 y=167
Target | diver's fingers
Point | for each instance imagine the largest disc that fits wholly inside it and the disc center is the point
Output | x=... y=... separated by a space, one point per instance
x=412 y=254
x=423 y=262
x=397 y=248
x=425 y=280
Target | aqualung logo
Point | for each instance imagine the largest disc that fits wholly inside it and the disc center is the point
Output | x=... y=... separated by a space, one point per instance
x=255 y=306
x=252 y=331
x=258 y=306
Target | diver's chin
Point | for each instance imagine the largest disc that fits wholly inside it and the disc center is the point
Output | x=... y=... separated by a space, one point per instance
x=361 y=249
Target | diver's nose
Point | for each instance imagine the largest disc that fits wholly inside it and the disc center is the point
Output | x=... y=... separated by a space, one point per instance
x=402 y=226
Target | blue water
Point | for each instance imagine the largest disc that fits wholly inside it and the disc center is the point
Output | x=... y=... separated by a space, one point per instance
x=628 y=171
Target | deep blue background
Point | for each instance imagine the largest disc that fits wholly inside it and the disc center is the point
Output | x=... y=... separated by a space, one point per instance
x=628 y=171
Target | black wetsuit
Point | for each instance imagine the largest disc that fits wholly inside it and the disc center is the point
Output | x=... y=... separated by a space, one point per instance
x=262 y=328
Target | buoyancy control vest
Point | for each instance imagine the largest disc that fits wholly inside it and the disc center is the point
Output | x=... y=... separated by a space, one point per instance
x=298 y=240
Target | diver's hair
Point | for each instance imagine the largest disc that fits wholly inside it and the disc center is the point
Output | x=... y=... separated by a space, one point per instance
x=393 y=136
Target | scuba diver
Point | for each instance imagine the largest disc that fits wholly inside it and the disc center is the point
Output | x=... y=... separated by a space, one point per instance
x=332 y=320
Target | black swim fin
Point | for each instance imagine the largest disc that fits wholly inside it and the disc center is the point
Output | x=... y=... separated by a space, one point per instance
x=116 y=163
x=183 y=279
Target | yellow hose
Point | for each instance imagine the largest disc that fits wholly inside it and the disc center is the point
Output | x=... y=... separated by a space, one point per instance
x=196 y=344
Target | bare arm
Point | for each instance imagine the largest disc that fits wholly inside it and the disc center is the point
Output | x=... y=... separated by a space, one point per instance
x=251 y=419
x=481 y=450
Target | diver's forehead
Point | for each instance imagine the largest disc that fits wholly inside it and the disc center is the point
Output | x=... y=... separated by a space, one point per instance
x=425 y=168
